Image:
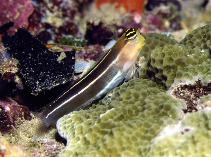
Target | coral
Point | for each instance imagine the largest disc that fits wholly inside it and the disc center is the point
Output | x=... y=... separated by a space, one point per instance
x=155 y=40
x=16 y=11
x=103 y=15
x=151 y=4
x=134 y=6
x=199 y=38
x=98 y=34
x=90 y=52
x=141 y=108
x=11 y=113
x=206 y=100
x=192 y=139
x=36 y=140
x=54 y=19
x=8 y=66
x=176 y=62
x=122 y=124
x=8 y=150
x=152 y=41
x=193 y=16
x=153 y=23
x=9 y=81
x=163 y=16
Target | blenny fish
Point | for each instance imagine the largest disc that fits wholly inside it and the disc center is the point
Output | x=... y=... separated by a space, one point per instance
x=107 y=74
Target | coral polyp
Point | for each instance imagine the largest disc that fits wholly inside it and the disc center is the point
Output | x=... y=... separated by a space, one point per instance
x=171 y=93
x=177 y=62
x=192 y=139
x=199 y=38
x=122 y=124
x=105 y=78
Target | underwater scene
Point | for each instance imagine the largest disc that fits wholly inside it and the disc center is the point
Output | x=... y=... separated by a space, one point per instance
x=105 y=78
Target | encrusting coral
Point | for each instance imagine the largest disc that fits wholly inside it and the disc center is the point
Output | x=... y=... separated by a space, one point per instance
x=7 y=150
x=132 y=120
x=168 y=61
x=154 y=40
x=199 y=38
x=163 y=111
x=137 y=111
x=192 y=139
x=34 y=140
x=177 y=62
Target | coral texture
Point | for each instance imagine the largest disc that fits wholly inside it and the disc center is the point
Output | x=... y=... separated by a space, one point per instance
x=136 y=111
x=168 y=61
x=7 y=150
x=17 y=11
x=154 y=40
x=192 y=139
x=11 y=113
x=35 y=141
x=176 y=62
x=199 y=38
x=134 y=119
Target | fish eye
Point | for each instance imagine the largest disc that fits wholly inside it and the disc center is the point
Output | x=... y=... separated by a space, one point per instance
x=130 y=34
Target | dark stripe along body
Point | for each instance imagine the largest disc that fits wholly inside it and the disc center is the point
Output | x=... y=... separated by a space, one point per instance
x=108 y=73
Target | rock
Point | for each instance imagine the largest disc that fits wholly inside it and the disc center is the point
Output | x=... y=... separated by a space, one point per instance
x=11 y=113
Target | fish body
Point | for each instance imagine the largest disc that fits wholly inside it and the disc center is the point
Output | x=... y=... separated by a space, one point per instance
x=108 y=73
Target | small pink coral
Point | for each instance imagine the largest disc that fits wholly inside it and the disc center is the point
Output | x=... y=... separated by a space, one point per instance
x=10 y=113
x=16 y=11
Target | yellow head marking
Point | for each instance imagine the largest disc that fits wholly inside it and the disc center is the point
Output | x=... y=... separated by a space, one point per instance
x=130 y=34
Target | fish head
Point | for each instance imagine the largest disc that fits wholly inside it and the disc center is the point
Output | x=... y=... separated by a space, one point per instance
x=133 y=42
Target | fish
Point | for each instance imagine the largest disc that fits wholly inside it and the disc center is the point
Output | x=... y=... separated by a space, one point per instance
x=109 y=72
